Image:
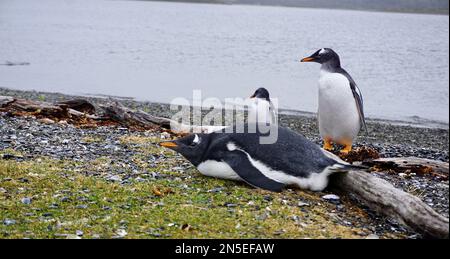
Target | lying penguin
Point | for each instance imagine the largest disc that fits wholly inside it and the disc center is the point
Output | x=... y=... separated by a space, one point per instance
x=261 y=109
x=341 y=112
x=291 y=161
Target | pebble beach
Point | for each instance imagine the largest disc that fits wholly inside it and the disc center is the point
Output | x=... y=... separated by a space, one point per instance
x=122 y=157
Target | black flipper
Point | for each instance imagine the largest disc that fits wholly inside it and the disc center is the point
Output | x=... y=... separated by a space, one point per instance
x=358 y=98
x=239 y=162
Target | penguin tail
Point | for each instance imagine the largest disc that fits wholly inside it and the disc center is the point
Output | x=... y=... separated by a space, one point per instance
x=344 y=167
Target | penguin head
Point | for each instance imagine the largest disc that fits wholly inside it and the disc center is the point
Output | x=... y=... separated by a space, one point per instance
x=261 y=93
x=323 y=56
x=191 y=147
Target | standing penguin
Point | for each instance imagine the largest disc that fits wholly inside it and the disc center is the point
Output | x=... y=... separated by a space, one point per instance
x=261 y=109
x=291 y=161
x=340 y=113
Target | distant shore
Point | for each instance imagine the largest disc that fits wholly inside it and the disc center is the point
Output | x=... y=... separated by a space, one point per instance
x=303 y=5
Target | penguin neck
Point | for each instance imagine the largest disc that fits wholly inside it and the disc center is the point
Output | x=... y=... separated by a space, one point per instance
x=331 y=66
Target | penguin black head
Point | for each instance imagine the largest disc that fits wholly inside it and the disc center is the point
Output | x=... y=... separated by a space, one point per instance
x=261 y=93
x=192 y=147
x=324 y=56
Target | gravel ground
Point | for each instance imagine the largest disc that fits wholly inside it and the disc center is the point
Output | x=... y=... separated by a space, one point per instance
x=34 y=139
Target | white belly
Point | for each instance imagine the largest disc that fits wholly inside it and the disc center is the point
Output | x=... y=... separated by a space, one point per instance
x=260 y=112
x=218 y=170
x=338 y=114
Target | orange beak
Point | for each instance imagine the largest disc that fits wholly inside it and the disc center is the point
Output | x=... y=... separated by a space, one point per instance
x=168 y=144
x=309 y=59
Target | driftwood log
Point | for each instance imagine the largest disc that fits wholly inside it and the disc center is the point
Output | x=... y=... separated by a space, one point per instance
x=5 y=100
x=381 y=196
x=128 y=117
x=374 y=192
x=408 y=165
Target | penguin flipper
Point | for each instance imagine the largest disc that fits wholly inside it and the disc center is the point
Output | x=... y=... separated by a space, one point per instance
x=239 y=162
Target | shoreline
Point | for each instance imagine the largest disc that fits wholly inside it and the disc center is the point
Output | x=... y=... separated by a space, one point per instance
x=375 y=10
x=411 y=121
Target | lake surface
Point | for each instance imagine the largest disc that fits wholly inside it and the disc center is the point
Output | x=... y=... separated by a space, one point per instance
x=158 y=51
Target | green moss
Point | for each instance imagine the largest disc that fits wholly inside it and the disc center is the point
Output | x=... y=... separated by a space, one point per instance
x=92 y=139
x=10 y=151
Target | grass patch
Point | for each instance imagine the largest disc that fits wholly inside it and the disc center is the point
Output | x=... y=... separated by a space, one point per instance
x=181 y=204
x=92 y=139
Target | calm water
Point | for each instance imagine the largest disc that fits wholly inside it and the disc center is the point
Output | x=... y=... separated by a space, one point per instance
x=158 y=51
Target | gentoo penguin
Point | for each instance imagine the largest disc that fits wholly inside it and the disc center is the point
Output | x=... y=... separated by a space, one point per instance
x=291 y=161
x=261 y=109
x=340 y=113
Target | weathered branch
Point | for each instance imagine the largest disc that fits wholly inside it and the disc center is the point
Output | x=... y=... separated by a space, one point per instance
x=384 y=198
x=128 y=117
x=419 y=166
x=79 y=105
x=5 y=100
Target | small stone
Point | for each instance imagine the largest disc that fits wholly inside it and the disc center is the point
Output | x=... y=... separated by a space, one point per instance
x=122 y=232
x=268 y=198
x=82 y=206
x=65 y=199
x=295 y=218
x=3 y=190
x=279 y=232
x=186 y=227
x=372 y=236
x=139 y=179
x=230 y=205
x=79 y=233
x=26 y=200
x=302 y=204
x=331 y=197
x=9 y=222
x=165 y=135
x=216 y=190
x=115 y=178
x=46 y=121
x=54 y=206
x=303 y=224
x=263 y=216
x=23 y=180
x=72 y=236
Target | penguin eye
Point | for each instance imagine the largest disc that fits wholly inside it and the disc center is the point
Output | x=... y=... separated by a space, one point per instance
x=195 y=141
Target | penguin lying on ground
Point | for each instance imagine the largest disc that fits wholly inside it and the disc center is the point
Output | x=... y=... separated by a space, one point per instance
x=261 y=109
x=291 y=161
x=341 y=113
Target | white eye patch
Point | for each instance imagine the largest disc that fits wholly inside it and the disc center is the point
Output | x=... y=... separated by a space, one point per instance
x=196 y=139
x=322 y=51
